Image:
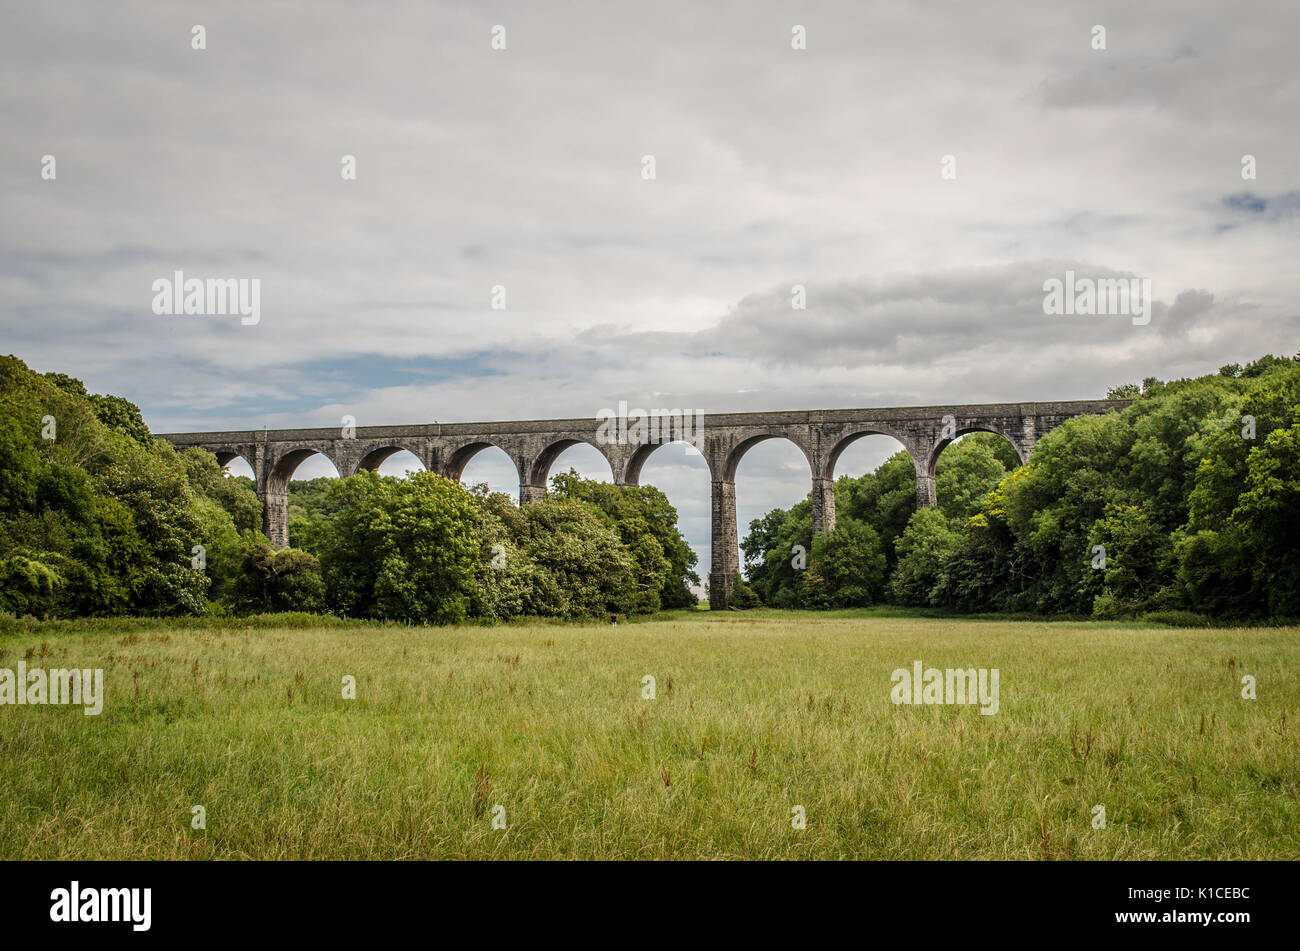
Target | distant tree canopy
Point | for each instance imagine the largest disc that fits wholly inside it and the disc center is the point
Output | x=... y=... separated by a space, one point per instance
x=98 y=517
x=400 y=548
x=1188 y=500
x=851 y=566
x=587 y=549
x=647 y=525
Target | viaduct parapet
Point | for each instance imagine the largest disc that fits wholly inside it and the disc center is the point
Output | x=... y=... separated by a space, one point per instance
x=723 y=440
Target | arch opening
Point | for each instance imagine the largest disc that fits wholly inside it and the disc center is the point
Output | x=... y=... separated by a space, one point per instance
x=744 y=447
x=778 y=475
x=579 y=455
x=969 y=466
x=681 y=473
x=943 y=444
x=875 y=486
x=309 y=468
x=641 y=455
x=484 y=463
x=861 y=452
x=301 y=465
x=236 y=466
x=391 y=461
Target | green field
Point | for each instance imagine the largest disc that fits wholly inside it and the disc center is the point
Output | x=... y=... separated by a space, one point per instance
x=754 y=714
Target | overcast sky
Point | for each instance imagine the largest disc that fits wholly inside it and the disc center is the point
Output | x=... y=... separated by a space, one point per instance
x=523 y=168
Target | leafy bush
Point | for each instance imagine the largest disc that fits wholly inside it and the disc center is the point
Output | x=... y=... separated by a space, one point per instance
x=270 y=580
x=742 y=595
x=401 y=548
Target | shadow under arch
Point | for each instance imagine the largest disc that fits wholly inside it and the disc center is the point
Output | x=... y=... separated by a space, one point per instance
x=226 y=459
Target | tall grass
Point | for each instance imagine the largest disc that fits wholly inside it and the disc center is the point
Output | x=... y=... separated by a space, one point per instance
x=754 y=714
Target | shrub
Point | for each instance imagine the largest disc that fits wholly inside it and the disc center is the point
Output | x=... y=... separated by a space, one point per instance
x=743 y=596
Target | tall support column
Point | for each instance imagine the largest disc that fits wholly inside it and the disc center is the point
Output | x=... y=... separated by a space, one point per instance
x=619 y=459
x=346 y=455
x=726 y=550
x=925 y=494
x=1028 y=437
x=431 y=457
x=823 y=506
x=275 y=499
x=275 y=517
x=531 y=493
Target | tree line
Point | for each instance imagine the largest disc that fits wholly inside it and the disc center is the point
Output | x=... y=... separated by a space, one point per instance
x=1186 y=504
x=99 y=517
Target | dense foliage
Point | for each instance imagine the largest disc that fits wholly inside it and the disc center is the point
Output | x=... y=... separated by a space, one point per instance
x=97 y=517
x=1188 y=500
x=647 y=524
x=849 y=567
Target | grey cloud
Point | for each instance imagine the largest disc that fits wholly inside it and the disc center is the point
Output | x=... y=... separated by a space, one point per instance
x=1112 y=81
x=915 y=321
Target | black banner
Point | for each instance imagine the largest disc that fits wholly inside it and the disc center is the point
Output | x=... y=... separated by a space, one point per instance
x=921 y=901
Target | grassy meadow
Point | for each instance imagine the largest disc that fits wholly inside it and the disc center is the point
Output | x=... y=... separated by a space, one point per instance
x=754 y=714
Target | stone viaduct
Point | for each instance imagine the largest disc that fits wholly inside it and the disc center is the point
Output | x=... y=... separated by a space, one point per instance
x=723 y=440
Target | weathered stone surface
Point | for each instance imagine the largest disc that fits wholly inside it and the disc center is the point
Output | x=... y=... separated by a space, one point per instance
x=534 y=445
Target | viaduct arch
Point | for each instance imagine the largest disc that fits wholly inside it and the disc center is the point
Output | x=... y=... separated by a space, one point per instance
x=533 y=445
